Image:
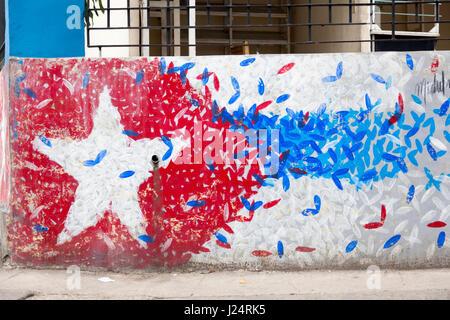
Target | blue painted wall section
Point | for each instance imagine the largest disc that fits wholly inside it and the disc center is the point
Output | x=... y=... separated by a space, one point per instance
x=46 y=29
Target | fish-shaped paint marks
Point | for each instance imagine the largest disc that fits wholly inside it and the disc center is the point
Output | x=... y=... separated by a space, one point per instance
x=434 y=64
x=17 y=89
x=126 y=174
x=260 y=180
x=146 y=238
x=255 y=205
x=313 y=212
x=402 y=165
x=221 y=237
x=399 y=107
x=280 y=249
x=392 y=241
x=394 y=139
x=441 y=239
x=168 y=143
x=30 y=93
x=45 y=141
x=183 y=76
x=22 y=77
x=286 y=68
x=39 y=228
x=210 y=164
x=271 y=204
x=227 y=228
x=442 y=111
x=216 y=82
x=447 y=136
x=261 y=253
x=305 y=249
x=130 y=133
x=234 y=97
x=98 y=159
x=86 y=80
x=263 y=105
x=286 y=183
x=410 y=195
x=235 y=84
x=196 y=203
x=341 y=172
x=351 y=246
x=431 y=152
x=321 y=110
x=187 y=66
x=100 y=156
x=139 y=77
x=329 y=79
x=378 y=78
x=302 y=123
x=19 y=79
x=438 y=143
x=297 y=171
x=339 y=70
x=375 y=225
x=389 y=157
x=388 y=83
x=172 y=70
x=368 y=175
x=261 y=87
x=283 y=98
x=412 y=132
x=245 y=202
x=223 y=245
x=409 y=61
x=369 y=104
x=205 y=77
x=247 y=62
x=436 y=224
x=416 y=99
x=162 y=66
x=337 y=182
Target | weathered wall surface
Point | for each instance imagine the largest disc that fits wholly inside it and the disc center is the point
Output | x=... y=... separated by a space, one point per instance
x=277 y=161
x=4 y=160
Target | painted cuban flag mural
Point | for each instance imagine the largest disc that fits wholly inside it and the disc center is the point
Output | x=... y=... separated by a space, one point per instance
x=267 y=160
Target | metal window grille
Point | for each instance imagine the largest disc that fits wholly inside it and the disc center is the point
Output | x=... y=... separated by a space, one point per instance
x=182 y=27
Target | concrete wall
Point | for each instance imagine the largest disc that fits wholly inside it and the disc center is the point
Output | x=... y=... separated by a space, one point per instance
x=4 y=160
x=349 y=166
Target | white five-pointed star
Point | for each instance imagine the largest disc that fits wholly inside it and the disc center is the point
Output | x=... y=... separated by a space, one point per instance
x=100 y=186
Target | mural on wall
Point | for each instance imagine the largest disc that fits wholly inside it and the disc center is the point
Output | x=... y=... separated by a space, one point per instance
x=290 y=160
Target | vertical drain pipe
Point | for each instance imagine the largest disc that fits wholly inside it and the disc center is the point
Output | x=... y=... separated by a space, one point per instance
x=157 y=196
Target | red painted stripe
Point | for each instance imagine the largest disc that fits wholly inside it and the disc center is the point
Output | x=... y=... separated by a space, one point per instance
x=216 y=83
x=223 y=245
x=436 y=224
x=263 y=105
x=383 y=213
x=373 y=225
x=227 y=228
x=271 y=204
x=261 y=253
x=305 y=249
x=286 y=68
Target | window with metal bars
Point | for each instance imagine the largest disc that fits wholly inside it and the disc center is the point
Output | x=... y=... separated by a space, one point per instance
x=208 y=27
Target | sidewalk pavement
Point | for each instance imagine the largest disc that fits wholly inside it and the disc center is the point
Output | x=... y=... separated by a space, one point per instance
x=32 y=284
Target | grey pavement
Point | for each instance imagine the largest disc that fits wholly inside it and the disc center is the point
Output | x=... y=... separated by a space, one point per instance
x=32 y=284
